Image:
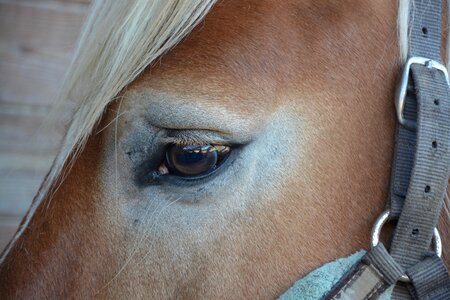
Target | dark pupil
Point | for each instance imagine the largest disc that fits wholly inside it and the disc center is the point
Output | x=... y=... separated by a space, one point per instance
x=192 y=160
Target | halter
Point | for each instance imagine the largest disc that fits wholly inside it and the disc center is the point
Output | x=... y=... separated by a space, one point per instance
x=419 y=178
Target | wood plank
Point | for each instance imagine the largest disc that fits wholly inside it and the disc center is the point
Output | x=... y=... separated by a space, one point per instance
x=8 y=226
x=29 y=133
x=20 y=178
x=25 y=163
x=36 y=44
x=17 y=192
x=53 y=4
x=86 y=2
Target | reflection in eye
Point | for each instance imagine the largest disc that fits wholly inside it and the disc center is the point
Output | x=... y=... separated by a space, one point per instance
x=193 y=160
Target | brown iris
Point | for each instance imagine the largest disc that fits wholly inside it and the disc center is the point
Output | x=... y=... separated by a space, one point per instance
x=195 y=160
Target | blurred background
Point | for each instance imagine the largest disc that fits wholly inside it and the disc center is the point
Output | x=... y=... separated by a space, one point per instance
x=37 y=38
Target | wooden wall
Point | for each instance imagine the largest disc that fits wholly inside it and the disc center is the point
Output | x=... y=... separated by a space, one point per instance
x=36 y=41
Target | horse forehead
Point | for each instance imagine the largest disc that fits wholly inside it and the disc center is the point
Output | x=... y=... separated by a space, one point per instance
x=248 y=54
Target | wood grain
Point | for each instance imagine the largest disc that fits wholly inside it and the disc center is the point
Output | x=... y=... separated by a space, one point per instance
x=35 y=47
x=37 y=38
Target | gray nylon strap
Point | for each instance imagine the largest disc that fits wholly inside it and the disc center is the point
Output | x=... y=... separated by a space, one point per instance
x=429 y=178
x=383 y=261
x=421 y=162
x=425 y=29
x=430 y=279
x=424 y=40
x=403 y=160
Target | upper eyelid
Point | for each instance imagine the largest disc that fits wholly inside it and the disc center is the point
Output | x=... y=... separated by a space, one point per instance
x=194 y=137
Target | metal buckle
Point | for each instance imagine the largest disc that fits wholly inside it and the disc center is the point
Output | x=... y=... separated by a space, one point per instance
x=402 y=87
x=375 y=237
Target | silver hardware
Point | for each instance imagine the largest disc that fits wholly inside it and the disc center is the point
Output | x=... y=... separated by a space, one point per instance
x=375 y=237
x=402 y=87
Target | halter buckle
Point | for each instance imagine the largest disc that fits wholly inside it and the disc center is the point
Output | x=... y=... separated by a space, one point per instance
x=402 y=88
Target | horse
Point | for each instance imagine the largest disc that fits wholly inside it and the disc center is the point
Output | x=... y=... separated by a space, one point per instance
x=218 y=150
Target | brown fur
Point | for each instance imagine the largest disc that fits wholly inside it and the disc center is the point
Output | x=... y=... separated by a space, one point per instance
x=332 y=65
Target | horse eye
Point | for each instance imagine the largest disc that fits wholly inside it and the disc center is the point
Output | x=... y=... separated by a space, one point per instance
x=193 y=160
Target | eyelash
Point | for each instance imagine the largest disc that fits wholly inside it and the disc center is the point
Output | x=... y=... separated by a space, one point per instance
x=190 y=137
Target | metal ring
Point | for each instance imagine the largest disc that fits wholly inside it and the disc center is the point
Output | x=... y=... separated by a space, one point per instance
x=375 y=237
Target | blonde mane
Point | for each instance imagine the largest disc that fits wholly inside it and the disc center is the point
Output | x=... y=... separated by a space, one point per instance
x=119 y=40
x=402 y=23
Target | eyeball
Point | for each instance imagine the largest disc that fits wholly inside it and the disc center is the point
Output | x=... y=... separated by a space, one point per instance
x=193 y=160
